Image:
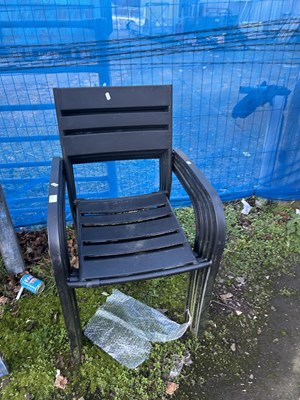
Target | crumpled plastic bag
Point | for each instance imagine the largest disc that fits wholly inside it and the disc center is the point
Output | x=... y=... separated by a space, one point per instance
x=247 y=208
x=124 y=327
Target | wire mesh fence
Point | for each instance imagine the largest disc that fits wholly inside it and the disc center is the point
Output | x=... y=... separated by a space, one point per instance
x=234 y=67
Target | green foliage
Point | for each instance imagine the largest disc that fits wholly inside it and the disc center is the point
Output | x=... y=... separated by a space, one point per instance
x=293 y=226
x=259 y=240
x=34 y=343
x=293 y=233
x=30 y=342
x=287 y=292
x=36 y=381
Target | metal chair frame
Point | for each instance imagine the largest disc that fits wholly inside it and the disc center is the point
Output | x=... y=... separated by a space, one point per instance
x=117 y=123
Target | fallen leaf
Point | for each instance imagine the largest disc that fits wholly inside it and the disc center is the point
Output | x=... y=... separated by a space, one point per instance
x=55 y=318
x=30 y=325
x=33 y=245
x=74 y=262
x=16 y=289
x=29 y=250
x=4 y=300
x=171 y=388
x=60 y=381
x=226 y=296
x=60 y=361
x=15 y=310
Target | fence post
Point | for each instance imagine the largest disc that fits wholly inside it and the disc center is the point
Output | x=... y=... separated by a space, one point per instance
x=9 y=245
x=272 y=141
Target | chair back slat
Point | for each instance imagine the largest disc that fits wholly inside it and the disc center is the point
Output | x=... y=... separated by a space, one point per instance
x=115 y=123
x=89 y=98
x=119 y=121
x=80 y=148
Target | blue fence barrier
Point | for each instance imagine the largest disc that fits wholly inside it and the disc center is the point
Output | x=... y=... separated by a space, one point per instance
x=234 y=67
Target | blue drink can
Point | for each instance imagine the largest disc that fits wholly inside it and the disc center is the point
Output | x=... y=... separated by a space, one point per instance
x=34 y=285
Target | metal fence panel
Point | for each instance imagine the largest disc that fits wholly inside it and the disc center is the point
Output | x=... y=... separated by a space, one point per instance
x=234 y=67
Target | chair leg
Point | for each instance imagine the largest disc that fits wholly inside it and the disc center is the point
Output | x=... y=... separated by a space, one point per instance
x=72 y=321
x=198 y=298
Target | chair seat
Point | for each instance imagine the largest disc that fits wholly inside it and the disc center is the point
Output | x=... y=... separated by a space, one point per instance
x=130 y=236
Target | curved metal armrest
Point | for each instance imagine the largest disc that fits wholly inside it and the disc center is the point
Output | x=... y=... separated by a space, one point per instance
x=209 y=214
x=56 y=222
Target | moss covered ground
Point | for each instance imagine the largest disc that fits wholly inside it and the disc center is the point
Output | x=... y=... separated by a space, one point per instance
x=260 y=247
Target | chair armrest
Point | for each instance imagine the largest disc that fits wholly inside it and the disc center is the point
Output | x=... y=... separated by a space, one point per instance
x=209 y=214
x=56 y=222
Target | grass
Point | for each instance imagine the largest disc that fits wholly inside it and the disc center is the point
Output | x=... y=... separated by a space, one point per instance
x=260 y=247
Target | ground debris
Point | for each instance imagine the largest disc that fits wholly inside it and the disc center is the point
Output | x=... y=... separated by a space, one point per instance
x=247 y=208
x=240 y=280
x=34 y=245
x=178 y=363
x=234 y=318
x=232 y=297
x=171 y=388
x=226 y=296
x=60 y=381
x=4 y=300
x=73 y=250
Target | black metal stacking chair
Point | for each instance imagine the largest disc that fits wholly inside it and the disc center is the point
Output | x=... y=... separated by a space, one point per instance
x=128 y=238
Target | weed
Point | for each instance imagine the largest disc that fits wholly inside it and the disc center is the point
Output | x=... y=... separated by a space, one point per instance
x=260 y=247
x=287 y=292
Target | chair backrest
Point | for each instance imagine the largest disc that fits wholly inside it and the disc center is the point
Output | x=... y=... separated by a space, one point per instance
x=115 y=123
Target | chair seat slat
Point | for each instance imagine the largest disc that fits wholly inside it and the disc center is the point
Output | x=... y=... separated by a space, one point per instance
x=126 y=217
x=201 y=263
x=122 y=204
x=135 y=264
x=129 y=231
x=134 y=246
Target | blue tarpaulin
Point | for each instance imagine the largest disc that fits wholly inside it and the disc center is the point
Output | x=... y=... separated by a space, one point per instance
x=234 y=67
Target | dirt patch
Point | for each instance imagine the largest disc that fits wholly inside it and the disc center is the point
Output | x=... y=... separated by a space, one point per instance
x=274 y=368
